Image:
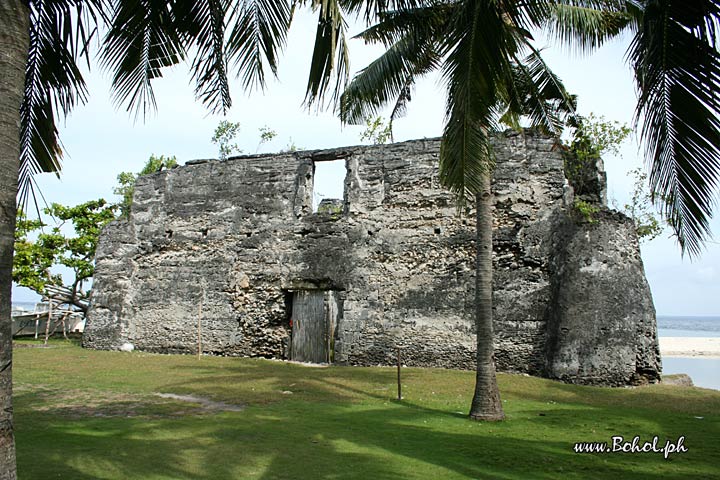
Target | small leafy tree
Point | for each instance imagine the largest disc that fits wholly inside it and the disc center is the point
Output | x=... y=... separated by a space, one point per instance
x=592 y=138
x=224 y=137
x=291 y=147
x=34 y=259
x=266 y=135
x=377 y=131
x=640 y=208
x=126 y=181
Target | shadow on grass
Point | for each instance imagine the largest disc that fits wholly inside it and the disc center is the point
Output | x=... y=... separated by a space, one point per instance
x=267 y=381
x=383 y=443
x=672 y=399
x=329 y=429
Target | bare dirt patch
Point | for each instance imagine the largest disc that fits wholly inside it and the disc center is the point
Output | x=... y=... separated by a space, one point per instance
x=78 y=403
x=205 y=403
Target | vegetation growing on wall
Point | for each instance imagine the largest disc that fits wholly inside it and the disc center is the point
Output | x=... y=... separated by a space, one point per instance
x=126 y=180
x=586 y=210
x=377 y=131
x=594 y=137
x=224 y=138
x=266 y=135
x=648 y=224
x=334 y=209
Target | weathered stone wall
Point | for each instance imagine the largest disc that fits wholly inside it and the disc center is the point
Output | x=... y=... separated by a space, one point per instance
x=238 y=236
x=601 y=320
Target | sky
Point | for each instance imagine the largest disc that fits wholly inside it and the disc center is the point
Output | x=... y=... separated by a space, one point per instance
x=100 y=141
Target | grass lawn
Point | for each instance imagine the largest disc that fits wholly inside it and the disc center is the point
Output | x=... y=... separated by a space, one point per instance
x=83 y=414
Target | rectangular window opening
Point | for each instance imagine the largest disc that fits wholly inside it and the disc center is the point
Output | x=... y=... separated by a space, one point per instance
x=329 y=186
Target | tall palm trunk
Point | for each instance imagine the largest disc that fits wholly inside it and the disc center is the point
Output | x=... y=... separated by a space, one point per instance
x=14 y=41
x=486 y=403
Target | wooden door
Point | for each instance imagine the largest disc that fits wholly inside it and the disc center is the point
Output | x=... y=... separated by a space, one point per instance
x=313 y=317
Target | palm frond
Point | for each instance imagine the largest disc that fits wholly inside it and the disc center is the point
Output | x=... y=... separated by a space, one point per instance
x=479 y=61
x=421 y=22
x=538 y=94
x=390 y=78
x=209 y=66
x=677 y=67
x=526 y=15
x=403 y=99
x=330 y=54
x=374 y=9
x=259 y=33
x=60 y=32
x=587 y=25
x=141 y=41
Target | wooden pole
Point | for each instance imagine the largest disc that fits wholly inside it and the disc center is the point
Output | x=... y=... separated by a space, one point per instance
x=64 y=324
x=199 y=329
x=399 y=361
x=49 y=317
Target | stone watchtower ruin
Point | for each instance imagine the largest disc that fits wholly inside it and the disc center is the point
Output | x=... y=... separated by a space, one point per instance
x=391 y=265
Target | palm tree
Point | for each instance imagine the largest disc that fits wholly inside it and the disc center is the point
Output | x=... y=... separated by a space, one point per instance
x=492 y=70
x=41 y=43
x=14 y=40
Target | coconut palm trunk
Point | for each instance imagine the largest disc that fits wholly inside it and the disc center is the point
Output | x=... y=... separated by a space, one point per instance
x=486 y=404
x=492 y=73
x=41 y=44
x=14 y=41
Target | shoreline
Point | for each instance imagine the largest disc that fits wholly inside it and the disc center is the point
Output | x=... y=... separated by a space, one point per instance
x=690 y=347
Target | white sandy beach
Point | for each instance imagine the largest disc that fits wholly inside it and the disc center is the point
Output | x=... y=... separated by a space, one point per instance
x=698 y=347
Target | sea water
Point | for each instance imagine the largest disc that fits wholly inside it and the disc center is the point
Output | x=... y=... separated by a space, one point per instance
x=677 y=326
x=705 y=372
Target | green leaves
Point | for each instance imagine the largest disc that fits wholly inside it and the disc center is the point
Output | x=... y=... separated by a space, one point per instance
x=677 y=68
x=34 y=259
x=204 y=26
x=149 y=35
x=330 y=53
x=640 y=208
x=224 y=137
x=411 y=37
x=538 y=94
x=587 y=25
x=472 y=72
x=126 y=181
x=259 y=33
x=142 y=40
x=60 y=32
x=377 y=131
x=390 y=78
x=592 y=138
